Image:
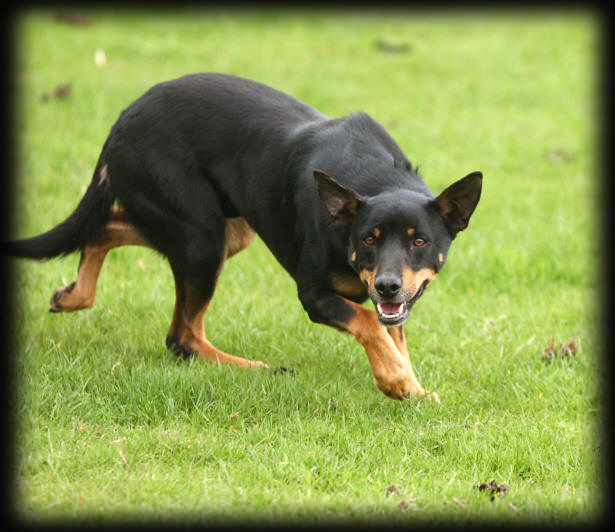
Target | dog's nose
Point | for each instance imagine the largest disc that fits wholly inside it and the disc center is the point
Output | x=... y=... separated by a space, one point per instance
x=387 y=285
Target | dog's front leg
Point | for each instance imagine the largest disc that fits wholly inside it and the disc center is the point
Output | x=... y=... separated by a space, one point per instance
x=392 y=369
x=390 y=364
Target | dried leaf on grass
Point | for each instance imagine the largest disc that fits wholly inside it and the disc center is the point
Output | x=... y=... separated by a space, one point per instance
x=563 y=350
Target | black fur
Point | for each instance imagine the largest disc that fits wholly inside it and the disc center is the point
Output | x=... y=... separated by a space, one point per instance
x=82 y=226
x=195 y=151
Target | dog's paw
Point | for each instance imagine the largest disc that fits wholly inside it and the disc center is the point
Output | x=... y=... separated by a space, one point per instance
x=175 y=347
x=55 y=304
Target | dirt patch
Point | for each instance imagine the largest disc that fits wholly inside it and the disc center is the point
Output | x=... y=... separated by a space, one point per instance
x=283 y=370
x=559 y=156
x=563 y=350
x=60 y=92
x=393 y=488
x=493 y=488
x=392 y=47
x=403 y=505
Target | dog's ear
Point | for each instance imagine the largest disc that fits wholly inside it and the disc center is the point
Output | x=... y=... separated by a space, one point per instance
x=457 y=202
x=341 y=202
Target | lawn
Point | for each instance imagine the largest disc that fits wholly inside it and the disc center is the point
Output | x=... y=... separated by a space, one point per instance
x=109 y=426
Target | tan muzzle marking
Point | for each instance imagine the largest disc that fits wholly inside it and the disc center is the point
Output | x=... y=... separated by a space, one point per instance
x=412 y=280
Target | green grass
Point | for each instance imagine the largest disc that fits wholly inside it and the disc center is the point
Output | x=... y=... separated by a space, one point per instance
x=110 y=426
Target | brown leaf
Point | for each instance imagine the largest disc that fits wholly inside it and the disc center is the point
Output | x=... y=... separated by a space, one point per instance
x=569 y=349
x=564 y=350
x=393 y=488
x=550 y=352
x=60 y=91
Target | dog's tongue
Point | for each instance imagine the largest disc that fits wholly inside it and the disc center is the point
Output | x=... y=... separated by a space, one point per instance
x=391 y=308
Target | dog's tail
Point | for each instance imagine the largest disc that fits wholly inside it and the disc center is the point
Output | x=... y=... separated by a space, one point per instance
x=84 y=225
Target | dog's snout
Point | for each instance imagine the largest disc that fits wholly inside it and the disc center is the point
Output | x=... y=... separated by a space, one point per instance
x=387 y=285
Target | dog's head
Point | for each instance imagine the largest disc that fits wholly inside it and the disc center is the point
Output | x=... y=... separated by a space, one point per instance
x=399 y=239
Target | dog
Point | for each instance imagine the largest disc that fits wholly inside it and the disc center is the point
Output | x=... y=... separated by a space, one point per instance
x=198 y=165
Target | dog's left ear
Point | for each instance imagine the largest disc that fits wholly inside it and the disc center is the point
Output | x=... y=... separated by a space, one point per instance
x=457 y=202
x=341 y=202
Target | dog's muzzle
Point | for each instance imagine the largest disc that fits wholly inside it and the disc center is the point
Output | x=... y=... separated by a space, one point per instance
x=393 y=312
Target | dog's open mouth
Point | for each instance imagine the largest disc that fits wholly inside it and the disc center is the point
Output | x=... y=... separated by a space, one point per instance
x=392 y=314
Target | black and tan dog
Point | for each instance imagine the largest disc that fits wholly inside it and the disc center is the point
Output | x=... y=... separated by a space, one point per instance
x=198 y=164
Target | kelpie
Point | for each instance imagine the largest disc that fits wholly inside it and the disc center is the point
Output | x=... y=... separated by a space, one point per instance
x=197 y=165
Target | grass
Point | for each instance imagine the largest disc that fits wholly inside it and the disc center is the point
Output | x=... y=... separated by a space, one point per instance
x=110 y=427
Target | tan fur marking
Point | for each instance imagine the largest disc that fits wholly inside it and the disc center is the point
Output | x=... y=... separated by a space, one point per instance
x=354 y=256
x=238 y=234
x=376 y=232
x=189 y=323
x=392 y=369
x=399 y=337
x=81 y=294
x=367 y=276
x=412 y=280
x=411 y=231
x=347 y=284
x=176 y=322
x=440 y=257
x=206 y=350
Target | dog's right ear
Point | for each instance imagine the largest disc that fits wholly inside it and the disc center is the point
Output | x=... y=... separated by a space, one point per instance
x=341 y=202
x=457 y=203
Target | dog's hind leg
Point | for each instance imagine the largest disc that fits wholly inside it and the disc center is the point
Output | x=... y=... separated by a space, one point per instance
x=81 y=293
x=186 y=335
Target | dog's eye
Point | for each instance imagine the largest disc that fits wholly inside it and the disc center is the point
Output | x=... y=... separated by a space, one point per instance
x=418 y=242
x=369 y=240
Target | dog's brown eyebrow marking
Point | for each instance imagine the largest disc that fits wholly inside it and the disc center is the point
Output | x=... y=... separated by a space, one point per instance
x=376 y=232
x=440 y=257
x=354 y=256
x=411 y=231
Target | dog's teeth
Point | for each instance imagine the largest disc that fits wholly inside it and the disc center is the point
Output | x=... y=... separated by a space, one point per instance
x=386 y=315
x=393 y=315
